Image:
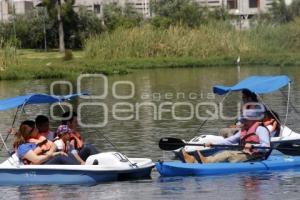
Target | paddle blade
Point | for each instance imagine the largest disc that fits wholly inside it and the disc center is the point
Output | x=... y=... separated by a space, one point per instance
x=288 y=148
x=170 y=144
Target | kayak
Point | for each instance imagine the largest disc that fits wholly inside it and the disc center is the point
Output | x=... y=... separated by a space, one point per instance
x=286 y=135
x=109 y=166
x=178 y=168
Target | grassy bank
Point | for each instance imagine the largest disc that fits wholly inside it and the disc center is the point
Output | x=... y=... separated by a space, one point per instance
x=125 y=50
x=37 y=65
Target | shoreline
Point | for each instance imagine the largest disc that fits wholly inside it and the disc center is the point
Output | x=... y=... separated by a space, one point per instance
x=50 y=65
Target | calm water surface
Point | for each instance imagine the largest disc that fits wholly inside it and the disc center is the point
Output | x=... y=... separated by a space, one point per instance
x=138 y=137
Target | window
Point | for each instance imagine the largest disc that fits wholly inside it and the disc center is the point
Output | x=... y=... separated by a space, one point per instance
x=97 y=8
x=253 y=3
x=232 y=4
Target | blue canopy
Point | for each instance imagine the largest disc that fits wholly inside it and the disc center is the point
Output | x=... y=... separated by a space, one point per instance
x=14 y=102
x=256 y=84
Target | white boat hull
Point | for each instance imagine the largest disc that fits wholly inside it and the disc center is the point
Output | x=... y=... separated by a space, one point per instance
x=14 y=173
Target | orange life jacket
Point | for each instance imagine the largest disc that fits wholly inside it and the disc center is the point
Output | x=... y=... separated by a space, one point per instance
x=42 y=144
x=76 y=137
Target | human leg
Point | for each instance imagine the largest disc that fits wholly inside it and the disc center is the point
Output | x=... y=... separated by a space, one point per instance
x=62 y=160
x=86 y=151
x=240 y=156
x=226 y=156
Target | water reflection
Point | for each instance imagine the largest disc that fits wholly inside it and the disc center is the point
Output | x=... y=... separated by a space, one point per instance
x=138 y=138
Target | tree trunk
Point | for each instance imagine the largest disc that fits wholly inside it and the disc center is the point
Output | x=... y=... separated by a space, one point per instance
x=60 y=28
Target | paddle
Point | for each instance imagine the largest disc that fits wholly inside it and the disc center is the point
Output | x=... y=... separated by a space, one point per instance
x=170 y=144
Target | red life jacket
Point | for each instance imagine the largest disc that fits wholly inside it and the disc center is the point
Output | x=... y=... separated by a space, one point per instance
x=249 y=136
x=76 y=137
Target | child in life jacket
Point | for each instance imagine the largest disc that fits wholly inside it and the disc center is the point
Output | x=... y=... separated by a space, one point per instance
x=31 y=152
x=42 y=124
x=84 y=150
x=62 y=142
x=272 y=123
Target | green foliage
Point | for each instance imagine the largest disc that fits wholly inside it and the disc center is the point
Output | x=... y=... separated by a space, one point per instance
x=216 y=38
x=69 y=20
x=220 y=13
x=213 y=39
x=280 y=12
x=295 y=8
x=115 y=16
x=172 y=12
x=88 y=24
x=30 y=28
x=8 y=54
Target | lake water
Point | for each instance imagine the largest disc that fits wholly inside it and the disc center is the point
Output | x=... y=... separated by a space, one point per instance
x=184 y=91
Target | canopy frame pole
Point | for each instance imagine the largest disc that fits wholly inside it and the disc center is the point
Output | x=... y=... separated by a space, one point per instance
x=4 y=143
x=204 y=122
x=8 y=151
x=287 y=110
x=114 y=146
x=12 y=125
x=59 y=103
x=269 y=108
x=291 y=104
x=287 y=104
x=15 y=117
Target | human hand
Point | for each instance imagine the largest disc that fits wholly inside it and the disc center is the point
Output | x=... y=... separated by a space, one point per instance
x=60 y=153
x=248 y=146
x=63 y=153
x=208 y=144
x=12 y=131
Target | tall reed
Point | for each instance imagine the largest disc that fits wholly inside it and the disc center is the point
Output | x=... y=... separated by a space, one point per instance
x=8 y=54
x=209 y=40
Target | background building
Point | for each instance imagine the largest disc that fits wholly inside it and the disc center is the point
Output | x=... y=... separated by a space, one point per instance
x=243 y=8
x=18 y=7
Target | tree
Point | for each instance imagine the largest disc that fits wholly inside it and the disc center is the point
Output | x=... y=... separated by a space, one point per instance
x=295 y=8
x=280 y=12
x=65 y=16
x=220 y=13
x=60 y=27
x=172 y=12
x=88 y=24
x=116 y=16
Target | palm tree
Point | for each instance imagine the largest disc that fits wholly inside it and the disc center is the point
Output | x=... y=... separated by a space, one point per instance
x=60 y=28
x=54 y=8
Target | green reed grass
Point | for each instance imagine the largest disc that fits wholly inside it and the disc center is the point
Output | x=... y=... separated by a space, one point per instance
x=8 y=55
x=209 y=40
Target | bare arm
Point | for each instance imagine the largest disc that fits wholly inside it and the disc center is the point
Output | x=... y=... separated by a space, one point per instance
x=52 y=149
x=36 y=159
x=78 y=158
